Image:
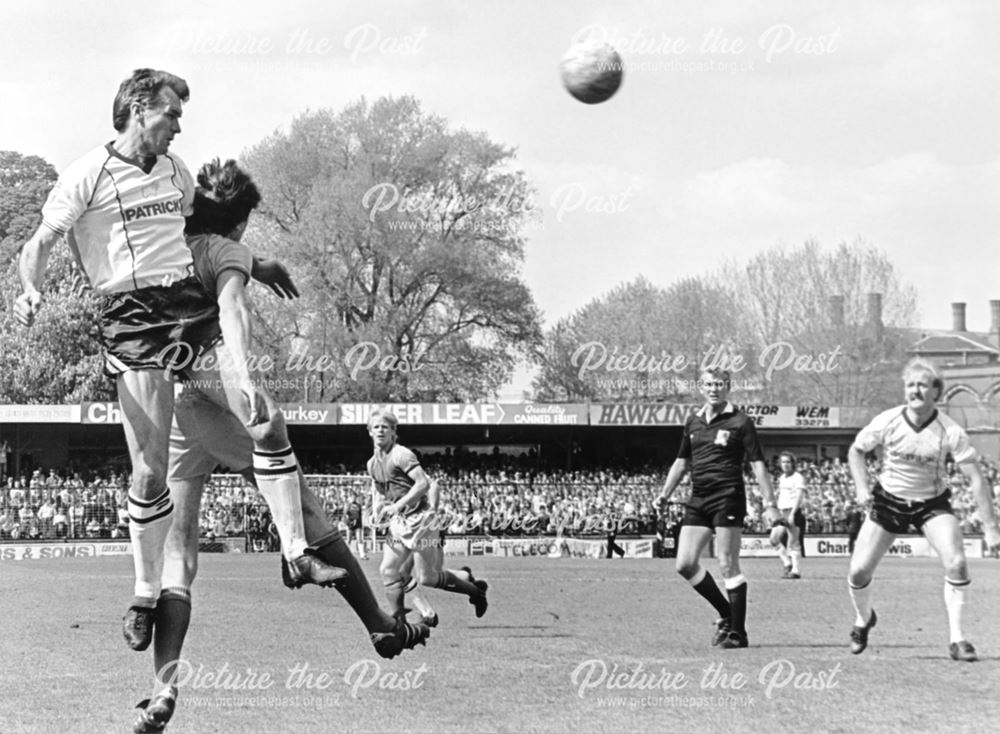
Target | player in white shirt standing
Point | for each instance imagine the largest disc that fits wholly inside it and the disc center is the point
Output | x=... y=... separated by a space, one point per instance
x=916 y=441
x=122 y=209
x=791 y=489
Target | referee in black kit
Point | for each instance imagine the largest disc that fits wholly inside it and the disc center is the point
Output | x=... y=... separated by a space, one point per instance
x=717 y=440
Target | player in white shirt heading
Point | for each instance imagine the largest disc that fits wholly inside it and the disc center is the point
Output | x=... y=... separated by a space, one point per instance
x=916 y=441
x=791 y=490
x=122 y=208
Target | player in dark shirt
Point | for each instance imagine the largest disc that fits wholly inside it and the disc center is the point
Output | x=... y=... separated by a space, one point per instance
x=399 y=493
x=717 y=440
x=206 y=434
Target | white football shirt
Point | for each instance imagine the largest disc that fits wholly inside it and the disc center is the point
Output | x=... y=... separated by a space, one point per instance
x=790 y=490
x=125 y=226
x=914 y=457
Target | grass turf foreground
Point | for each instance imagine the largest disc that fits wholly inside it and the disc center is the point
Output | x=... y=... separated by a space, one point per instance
x=567 y=645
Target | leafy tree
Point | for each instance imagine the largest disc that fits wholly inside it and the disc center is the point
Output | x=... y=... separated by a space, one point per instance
x=24 y=183
x=58 y=359
x=406 y=238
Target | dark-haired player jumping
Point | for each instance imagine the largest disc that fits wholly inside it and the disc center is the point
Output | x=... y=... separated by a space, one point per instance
x=206 y=434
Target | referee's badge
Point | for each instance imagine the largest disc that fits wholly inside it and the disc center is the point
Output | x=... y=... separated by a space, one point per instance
x=721 y=437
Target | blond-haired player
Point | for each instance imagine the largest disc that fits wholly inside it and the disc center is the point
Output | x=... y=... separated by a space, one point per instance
x=399 y=494
x=916 y=440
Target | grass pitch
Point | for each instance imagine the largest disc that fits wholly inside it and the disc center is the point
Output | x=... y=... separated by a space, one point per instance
x=567 y=645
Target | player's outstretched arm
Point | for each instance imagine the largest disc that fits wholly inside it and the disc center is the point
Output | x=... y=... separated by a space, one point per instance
x=275 y=276
x=234 y=320
x=981 y=491
x=31 y=267
x=859 y=472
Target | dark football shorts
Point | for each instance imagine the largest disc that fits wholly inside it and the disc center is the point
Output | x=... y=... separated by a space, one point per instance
x=726 y=511
x=896 y=515
x=159 y=327
x=799 y=520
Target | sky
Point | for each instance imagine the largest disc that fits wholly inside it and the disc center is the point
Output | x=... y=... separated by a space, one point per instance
x=738 y=127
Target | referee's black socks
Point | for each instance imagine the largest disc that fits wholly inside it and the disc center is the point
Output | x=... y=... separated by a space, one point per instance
x=705 y=585
x=736 y=587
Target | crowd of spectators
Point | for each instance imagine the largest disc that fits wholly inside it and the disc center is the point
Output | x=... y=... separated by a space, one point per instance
x=500 y=496
x=50 y=505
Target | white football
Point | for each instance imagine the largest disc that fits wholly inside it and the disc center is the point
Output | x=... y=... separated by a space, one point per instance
x=591 y=71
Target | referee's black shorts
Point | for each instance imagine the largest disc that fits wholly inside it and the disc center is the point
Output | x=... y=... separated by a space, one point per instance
x=159 y=327
x=719 y=511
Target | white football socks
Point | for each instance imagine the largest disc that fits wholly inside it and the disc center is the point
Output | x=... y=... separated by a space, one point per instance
x=149 y=523
x=956 y=594
x=277 y=474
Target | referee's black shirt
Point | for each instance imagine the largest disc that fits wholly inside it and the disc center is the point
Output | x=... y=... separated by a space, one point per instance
x=716 y=451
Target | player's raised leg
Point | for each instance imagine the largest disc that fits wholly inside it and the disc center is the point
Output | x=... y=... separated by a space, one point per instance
x=945 y=536
x=389 y=635
x=206 y=434
x=146 y=398
x=277 y=474
x=690 y=545
x=872 y=544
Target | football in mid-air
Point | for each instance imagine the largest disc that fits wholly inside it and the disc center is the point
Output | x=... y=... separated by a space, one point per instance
x=591 y=71
x=779 y=535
